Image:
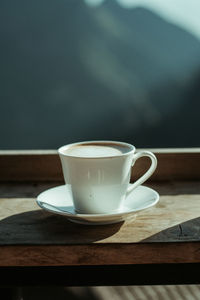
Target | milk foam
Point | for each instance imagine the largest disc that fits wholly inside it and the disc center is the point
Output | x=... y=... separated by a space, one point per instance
x=96 y=151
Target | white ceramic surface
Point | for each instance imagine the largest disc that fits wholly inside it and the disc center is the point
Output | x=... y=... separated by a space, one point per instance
x=100 y=184
x=58 y=200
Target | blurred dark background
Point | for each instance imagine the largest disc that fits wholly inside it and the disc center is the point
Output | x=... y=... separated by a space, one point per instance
x=71 y=71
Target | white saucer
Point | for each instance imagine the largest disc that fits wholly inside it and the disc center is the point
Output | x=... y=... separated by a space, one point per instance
x=58 y=200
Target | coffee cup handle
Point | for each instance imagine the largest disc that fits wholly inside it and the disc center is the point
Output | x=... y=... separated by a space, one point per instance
x=149 y=172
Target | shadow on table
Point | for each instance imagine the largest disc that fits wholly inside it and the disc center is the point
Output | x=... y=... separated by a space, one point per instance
x=40 y=227
x=160 y=292
x=188 y=231
x=61 y=293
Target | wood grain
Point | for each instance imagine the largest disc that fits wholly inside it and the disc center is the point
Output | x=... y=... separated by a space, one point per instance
x=108 y=254
x=30 y=166
x=173 y=219
x=39 y=165
x=164 y=252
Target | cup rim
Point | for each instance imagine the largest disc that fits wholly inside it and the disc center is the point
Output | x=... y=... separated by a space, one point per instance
x=65 y=147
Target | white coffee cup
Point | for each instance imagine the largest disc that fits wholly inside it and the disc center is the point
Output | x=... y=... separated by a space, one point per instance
x=98 y=174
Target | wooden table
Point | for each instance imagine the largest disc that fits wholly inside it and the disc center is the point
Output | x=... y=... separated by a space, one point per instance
x=167 y=253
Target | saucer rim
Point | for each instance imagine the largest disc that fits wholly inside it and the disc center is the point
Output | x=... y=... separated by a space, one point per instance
x=83 y=216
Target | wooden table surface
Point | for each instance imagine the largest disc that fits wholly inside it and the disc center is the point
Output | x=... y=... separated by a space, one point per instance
x=169 y=253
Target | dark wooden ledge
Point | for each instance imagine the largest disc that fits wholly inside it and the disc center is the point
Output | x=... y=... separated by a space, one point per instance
x=44 y=165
